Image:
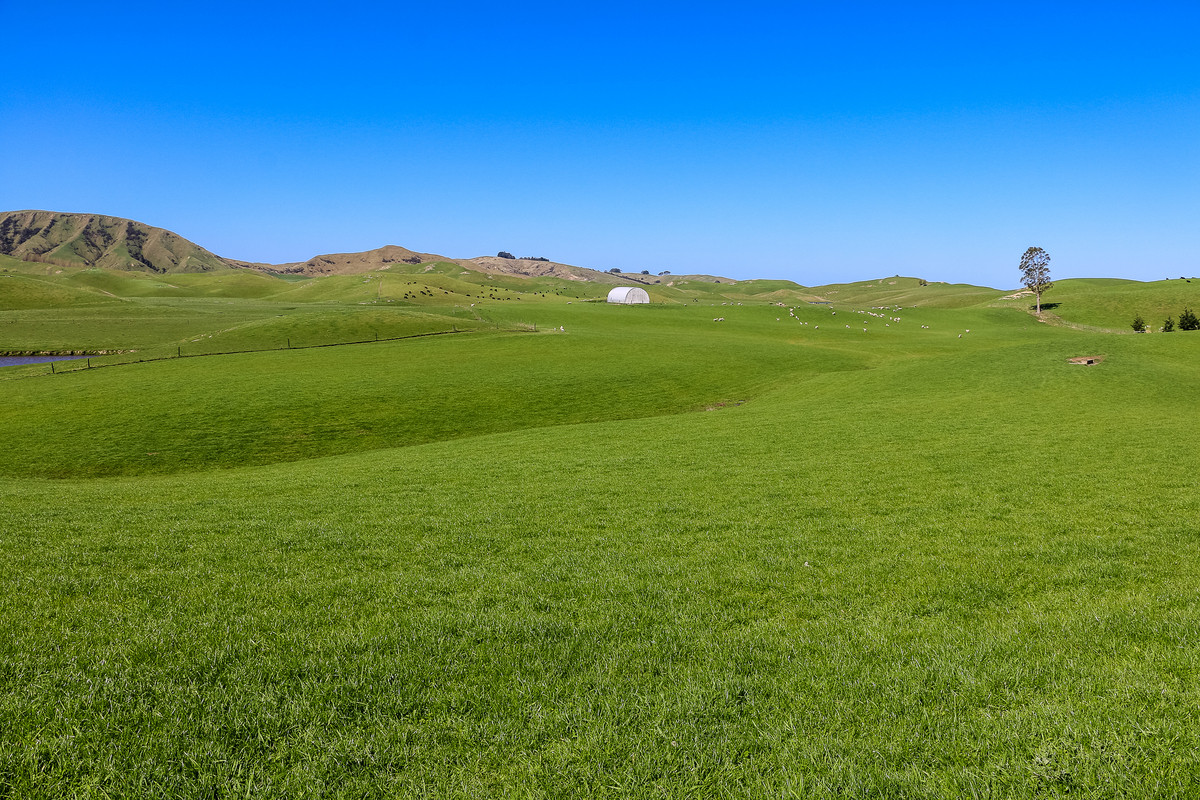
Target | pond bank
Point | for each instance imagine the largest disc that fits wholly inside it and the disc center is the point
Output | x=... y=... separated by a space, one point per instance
x=14 y=361
x=60 y=353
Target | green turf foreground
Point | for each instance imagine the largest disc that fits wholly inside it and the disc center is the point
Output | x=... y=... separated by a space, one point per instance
x=810 y=562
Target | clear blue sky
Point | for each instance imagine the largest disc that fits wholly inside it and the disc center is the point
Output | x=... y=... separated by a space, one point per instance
x=818 y=142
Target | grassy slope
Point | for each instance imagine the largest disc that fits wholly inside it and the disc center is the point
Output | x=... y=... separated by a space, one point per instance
x=907 y=292
x=968 y=568
x=1112 y=304
x=284 y=405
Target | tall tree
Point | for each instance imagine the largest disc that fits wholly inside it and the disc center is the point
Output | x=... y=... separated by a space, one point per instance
x=1035 y=273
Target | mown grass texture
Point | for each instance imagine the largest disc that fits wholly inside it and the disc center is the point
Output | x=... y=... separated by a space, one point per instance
x=911 y=565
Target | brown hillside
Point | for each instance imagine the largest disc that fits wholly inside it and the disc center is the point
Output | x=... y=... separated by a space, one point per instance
x=92 y=240
x=353 y=263
x=531 y=268
x=384 y=257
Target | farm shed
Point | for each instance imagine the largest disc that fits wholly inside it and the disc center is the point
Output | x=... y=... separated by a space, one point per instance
x=628 y=294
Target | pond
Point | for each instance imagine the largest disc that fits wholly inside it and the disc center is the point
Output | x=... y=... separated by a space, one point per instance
x=13 y=361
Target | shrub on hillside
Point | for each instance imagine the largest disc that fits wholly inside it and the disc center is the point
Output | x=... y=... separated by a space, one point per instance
x=504 y=254
x=1168 y=325
x=1188 y=321
x=1139 y=324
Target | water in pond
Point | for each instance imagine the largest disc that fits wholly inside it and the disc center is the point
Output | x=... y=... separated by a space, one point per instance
x=12 y=361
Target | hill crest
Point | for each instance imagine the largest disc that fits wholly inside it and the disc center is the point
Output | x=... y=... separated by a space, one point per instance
x=95 y=240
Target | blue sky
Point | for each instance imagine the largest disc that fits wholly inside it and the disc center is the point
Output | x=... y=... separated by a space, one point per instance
x=818 y=142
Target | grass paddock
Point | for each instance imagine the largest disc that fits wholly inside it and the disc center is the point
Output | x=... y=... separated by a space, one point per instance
x=651 y=555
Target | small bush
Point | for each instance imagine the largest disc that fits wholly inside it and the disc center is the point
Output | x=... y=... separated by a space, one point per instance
x=504 y=254
x=1168 y=325
x=1139 y=324
x=1188 y=321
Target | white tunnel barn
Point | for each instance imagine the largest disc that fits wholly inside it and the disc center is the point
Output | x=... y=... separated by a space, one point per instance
x=628 y=294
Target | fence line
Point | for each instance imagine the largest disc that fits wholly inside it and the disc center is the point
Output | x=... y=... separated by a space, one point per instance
x=179 y=351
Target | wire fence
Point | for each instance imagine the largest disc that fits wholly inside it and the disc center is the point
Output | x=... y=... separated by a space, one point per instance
x=127 y=358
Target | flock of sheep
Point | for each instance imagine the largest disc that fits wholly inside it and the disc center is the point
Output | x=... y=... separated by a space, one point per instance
x=888 y=319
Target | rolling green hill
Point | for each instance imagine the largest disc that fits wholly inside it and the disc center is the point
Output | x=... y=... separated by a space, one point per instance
x=882 y=540
x=1111 y=304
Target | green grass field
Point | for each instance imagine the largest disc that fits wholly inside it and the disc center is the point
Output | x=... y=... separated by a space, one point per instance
x=647 y=555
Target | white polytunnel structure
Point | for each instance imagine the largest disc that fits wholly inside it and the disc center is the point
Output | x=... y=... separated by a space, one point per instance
x=628 y=294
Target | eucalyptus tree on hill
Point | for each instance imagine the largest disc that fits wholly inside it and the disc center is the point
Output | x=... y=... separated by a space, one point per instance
x=1035 y=273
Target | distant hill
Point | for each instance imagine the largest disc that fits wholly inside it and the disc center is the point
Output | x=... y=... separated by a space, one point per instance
x=535 y=268
x=92 y=240
x=386 y=257
x=350 y=263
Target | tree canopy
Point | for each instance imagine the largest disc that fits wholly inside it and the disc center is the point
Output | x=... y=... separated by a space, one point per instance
x=1035 y=273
